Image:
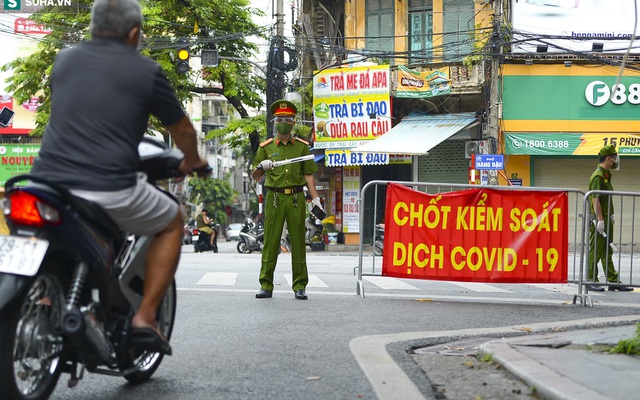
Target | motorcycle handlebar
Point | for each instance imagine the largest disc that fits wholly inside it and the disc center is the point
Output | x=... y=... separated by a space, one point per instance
x=203 y=172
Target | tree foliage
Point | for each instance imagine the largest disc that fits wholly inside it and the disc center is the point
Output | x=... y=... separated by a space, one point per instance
x=224 y=25
x=214 y=194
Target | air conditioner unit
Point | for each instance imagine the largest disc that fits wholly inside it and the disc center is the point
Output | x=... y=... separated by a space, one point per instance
x=474 y=147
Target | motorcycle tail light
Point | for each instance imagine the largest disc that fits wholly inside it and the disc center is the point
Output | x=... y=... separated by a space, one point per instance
x=24 y=208
x=195 y=232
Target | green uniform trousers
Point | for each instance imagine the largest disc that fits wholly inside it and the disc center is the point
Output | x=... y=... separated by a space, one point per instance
x=280 y=207
x=600 y=251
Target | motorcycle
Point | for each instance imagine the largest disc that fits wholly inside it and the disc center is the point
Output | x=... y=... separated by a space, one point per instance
x=251 y=237
x=378 y=241
x=313 y=233
x=70 y=282
x=204 y=240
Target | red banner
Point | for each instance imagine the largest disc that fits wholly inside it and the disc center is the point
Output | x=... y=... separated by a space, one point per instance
x=476 y=235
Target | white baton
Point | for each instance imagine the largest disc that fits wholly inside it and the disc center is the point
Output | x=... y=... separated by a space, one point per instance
x=293 y=160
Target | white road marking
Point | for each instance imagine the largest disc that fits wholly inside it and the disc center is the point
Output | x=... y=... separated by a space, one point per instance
x=314 y=281
x=218 y=278
x=385 y=282
x=480 y=287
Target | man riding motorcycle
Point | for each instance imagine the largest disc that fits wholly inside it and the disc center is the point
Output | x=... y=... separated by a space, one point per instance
x=102 y=94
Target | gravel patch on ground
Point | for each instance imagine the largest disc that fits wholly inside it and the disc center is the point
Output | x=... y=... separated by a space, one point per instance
x=457 y=372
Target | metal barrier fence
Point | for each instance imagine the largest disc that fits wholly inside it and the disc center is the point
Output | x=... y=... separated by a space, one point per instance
x=620 y=246
x=578 y=226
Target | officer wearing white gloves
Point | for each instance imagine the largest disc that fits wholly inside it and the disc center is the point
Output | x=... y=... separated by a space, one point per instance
x=316 y=202
x=285 y=200
x=266 y=165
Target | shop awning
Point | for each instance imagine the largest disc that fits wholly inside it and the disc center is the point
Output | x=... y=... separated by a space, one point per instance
x=418 y=134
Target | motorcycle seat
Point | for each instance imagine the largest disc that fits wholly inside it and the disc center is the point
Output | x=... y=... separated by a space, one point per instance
x=87 y=209
x=96 y=214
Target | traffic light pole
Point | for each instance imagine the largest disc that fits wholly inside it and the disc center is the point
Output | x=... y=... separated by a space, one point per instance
x=274 y=88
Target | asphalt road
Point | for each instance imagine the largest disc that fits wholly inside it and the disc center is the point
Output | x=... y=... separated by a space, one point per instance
x=229 y=345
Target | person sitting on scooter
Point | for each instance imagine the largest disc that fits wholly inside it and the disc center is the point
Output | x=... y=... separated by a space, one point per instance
x=203 y=224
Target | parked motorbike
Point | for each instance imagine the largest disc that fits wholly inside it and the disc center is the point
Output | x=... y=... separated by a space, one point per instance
x=378 y=241
x=313 y=233
x=70 y=281
x=251 y=237
x=204 y=240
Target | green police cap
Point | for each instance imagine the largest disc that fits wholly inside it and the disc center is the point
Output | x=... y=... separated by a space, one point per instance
x=607 y=151
x=283 y=107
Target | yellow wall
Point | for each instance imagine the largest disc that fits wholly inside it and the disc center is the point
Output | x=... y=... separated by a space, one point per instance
x=517 y=167
x=4 y=229
x=355 y=24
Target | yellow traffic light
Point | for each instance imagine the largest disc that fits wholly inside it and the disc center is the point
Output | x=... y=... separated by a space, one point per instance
x=182 y=65
x=183 y=54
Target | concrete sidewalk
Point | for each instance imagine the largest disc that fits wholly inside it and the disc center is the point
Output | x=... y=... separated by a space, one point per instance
x=568 y=365
x=559 y=359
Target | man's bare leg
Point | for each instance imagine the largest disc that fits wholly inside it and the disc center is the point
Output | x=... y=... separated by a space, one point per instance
x=161 y=264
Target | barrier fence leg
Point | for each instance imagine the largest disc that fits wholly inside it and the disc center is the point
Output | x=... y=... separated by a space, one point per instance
x=583 y=299
x=359 y=284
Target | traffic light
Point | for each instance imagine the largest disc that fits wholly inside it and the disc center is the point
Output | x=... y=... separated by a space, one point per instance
x=182 y=65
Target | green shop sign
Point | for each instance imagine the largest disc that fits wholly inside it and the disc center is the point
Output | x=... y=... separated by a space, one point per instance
x=16 y=159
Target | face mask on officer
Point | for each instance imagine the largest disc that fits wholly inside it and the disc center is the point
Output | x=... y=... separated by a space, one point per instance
x=284 y=125
x=615 y=164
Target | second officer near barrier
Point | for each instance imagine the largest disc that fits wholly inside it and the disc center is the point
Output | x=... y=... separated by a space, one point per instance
x=285 y=200
x=601 y=231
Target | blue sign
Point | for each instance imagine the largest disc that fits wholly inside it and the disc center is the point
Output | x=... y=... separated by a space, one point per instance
x=489 y=161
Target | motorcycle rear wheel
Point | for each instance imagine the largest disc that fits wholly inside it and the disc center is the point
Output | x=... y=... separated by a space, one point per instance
x=30 y=342
x=147 y=361
x=377 y=247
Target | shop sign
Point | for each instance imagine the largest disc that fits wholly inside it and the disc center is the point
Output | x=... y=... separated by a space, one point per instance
x=28 y=26
x=515 y=182
x=553 y=98
x=576 y=144
x=420 y=85
x=16 y=159
x=346 y=157
x=347 y=144
x=350 y=196
x=572 y=26
x=351 y=104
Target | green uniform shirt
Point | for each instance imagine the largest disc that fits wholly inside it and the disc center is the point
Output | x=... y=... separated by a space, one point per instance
x=289 y=175
x=601 y=180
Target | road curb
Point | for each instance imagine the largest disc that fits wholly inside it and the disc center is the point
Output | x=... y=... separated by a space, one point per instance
x=388 y=379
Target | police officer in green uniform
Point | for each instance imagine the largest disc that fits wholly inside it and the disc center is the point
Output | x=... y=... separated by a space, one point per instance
x=285 y=200
x=601 y=231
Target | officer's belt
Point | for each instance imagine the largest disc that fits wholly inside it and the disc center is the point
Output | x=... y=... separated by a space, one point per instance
x=290 y=190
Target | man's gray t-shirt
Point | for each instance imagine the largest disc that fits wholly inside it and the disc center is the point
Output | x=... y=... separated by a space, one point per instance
x=102 y=93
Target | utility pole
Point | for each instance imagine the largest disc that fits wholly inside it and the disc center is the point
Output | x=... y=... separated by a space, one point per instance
x=495 y=107
x=280 y=19
x=275 y=77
